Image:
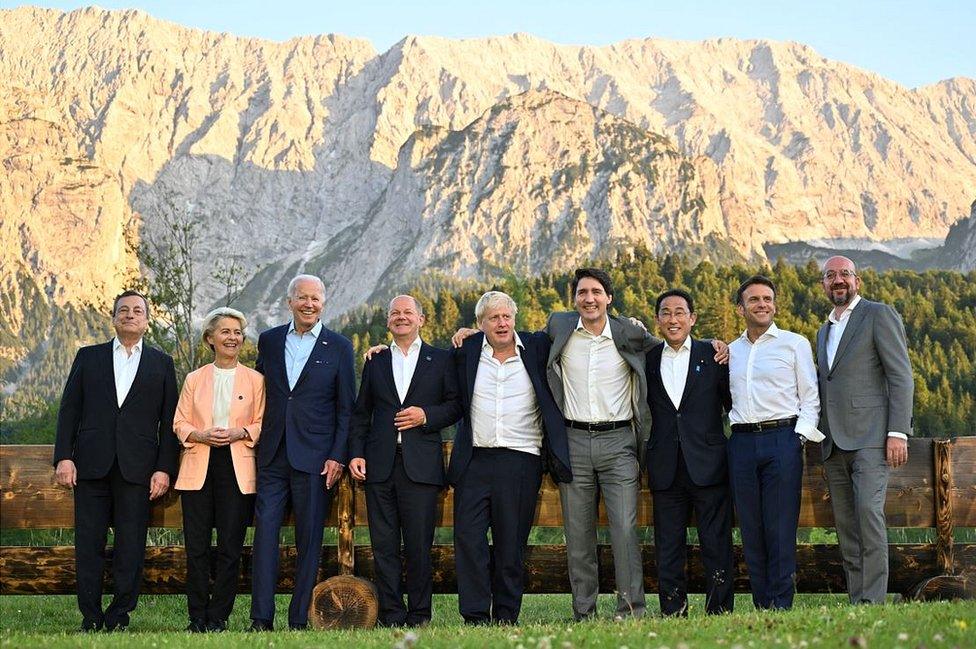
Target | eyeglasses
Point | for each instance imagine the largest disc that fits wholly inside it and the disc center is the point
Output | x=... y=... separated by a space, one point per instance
x=664 y=313
x=846 y=273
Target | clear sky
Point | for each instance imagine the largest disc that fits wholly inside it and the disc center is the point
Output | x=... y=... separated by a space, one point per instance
x=914 y=43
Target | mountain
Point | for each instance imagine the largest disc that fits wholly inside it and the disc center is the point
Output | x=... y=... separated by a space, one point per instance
x=451 y=158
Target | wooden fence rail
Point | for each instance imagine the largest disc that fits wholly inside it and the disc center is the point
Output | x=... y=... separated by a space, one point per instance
x=935 y=490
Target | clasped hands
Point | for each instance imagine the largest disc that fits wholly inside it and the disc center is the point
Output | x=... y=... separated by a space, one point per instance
x=217 y=436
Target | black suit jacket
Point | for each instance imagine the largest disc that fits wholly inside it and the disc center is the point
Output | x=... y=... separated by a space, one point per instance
x=555 y=445
x=697 y=423
x=93 y=430
x=373 y=435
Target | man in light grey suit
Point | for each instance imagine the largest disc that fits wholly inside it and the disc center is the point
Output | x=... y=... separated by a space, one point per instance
x=596 y=374
x=866 y=392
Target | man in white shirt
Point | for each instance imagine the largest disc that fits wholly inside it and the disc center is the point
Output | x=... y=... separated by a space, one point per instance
x=407 y=395
x=775 y=407
x=115 y=447
x=511 y=431
x=866 y=392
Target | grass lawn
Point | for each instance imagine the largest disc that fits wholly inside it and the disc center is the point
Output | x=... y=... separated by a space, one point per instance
x=815 y=621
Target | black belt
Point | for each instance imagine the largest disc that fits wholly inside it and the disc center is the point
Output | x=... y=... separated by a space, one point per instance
x=763 y=425
x=597 y=427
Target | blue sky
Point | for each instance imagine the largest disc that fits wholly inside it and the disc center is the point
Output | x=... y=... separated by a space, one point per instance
x=913 y=43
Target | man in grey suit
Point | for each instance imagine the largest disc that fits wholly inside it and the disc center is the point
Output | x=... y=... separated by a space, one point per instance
x=866 y=391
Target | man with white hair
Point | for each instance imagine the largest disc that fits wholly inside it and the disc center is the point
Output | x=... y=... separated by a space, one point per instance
x=511 y=431
x=310 y=386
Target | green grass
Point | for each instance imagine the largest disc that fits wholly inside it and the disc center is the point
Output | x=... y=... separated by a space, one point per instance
x=815 y=621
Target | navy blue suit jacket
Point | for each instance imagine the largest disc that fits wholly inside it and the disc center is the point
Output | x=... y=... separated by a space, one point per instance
x=374 y=437
x=555 y=445
x=313 y=418
x=697 y=423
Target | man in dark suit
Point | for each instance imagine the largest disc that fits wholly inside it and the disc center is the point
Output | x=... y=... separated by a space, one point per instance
x=510 y=432
x=866 y=392
x=115 y=446
x=407 y=395
x=686 y=457
x=310 y=387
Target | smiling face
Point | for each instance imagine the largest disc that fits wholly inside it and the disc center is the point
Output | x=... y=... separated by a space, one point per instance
x=404 y=320
x=131 y=319
x=306 y=304
x=674 y=320
x=840 y=280
x=591 y=301
x=758 y=306
x=498 y=323
x=226 y=339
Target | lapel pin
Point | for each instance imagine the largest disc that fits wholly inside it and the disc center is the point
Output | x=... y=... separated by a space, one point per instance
x=426 y=358
x=325 y=342
x=698 y=368
x=240 y=397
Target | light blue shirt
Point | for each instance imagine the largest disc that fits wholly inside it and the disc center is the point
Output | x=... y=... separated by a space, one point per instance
x=298 y=348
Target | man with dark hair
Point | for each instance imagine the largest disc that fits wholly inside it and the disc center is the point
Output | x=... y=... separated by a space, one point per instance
x=115 y=446
x=866 y=392
x=775 y=406
x=686 y=458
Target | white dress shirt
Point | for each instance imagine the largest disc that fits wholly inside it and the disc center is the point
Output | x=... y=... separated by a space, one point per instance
x=223 y=389
x=674 y=370
x=404 y=366
x=836 y=329
x=774 y=378
x=125 y=365
x=835 y=332
x=596 y=379
x=504 y=410
x=298 y=347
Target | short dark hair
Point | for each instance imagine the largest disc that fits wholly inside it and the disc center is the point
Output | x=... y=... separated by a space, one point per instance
x=594 y=273
x=675 y=292
x=755 y=279
x=129 y=293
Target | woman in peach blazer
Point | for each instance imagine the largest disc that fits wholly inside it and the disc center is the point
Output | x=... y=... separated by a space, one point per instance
x=218 y=422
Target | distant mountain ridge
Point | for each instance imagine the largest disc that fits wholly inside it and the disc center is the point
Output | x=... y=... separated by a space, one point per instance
x=459 y=158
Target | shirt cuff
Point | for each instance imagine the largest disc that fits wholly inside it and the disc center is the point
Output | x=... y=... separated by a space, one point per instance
x=892 y=433
x=810 y=432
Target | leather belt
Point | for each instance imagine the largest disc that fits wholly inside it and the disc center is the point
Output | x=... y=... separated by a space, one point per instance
x=763 y=425
x=597 y=427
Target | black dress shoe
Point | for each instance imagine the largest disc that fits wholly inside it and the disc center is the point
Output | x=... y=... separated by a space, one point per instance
x=197 y=625
x=117 y=627
x=298 y=627
x=216 y=626
x=261 y=625
x=90 y=626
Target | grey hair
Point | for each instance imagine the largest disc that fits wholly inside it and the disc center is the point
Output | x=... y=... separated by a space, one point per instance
x=212 y=318
x=491 y=300
x=416 y=304
x=304 y=278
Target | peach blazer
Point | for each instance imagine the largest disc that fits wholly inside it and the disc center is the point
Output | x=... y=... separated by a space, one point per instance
x=195 y=412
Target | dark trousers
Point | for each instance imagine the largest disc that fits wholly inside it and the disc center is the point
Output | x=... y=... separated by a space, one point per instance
x=401 y=508
x=125 y=506
x=499 y=490
x=218 y=504
x=713 y=510
x=766 y=469
x=279 y=483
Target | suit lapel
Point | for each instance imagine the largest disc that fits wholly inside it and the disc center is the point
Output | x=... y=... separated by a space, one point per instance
x=655 y=359
x=140 y=377
x=423 y=364
x=559 y=343
x=274 y=367
x=856 y=318
x=695 y=361
x=319 y=350
x=472 y=356
x=237 y=403
x=822 y=348
x=384 y=363
x=108 y=371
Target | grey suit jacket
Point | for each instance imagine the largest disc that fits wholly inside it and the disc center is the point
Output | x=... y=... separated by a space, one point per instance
x=869 y=389
x=632 y=343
